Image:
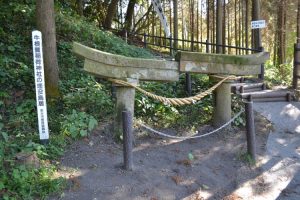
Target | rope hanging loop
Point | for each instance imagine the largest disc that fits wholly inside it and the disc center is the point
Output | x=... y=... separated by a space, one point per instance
x=176 y=101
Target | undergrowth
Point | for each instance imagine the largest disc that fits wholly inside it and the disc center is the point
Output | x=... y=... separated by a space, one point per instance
x=84 y=100
x=83 y=103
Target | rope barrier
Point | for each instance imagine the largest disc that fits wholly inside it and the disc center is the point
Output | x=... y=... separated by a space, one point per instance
x=193 y=136
x=176 y=101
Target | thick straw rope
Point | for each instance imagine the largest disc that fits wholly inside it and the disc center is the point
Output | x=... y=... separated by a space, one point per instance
x=175 y=101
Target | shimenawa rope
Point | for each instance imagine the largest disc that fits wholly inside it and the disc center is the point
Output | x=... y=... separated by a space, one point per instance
x=176 y=101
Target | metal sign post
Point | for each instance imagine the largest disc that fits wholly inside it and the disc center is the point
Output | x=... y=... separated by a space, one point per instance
x=40 y=86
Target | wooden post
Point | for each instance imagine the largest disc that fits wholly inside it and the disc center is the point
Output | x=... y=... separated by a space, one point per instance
x=262 y=73
x=188 y=84
x=171 y=46
x=207 y=46
x=127 y=140
x=250 y=129
x=145 y=40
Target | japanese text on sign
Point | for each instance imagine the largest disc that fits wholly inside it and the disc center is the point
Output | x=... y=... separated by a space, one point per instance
x=40 y=85
x=258 y=24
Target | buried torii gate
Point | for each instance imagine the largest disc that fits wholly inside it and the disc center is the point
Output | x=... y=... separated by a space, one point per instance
x=132 y=70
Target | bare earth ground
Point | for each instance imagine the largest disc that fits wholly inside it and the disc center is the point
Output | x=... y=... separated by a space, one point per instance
x=162 y=168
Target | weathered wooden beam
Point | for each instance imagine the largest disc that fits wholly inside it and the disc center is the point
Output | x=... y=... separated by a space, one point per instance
x=120 y=72
x=115 y=66
x=218 y=68
x=220 y=63
x=265 y=94
x=251 y=59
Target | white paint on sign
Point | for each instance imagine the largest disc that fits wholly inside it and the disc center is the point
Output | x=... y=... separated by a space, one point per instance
x=158 y=9
x=258 y=24
x=40 y=84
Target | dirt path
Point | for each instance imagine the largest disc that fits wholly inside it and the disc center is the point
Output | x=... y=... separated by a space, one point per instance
x=280 y=177
x=164 y=169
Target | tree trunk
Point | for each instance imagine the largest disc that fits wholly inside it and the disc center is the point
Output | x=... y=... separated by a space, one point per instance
x=298 y=23
x=111 y=11
x=207 y=21
x=129 y=16
x=256 y=37
x=281 y=28
x=219 y=23
x=246 y=25
x=80 y=7
x=175 y=21
x=46 y=24
x=213 y=26
x=224 y=27
x=235 y=26
x=192 y=24
x=182 y=24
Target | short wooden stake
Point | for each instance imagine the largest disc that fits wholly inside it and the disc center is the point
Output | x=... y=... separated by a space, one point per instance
x=289 y=97
x=250 y=129
x=127 y=140
x=188 y=84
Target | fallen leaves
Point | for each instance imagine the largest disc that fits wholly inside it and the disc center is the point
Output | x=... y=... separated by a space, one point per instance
x=75 y=182
x=233 y=197
x=177 y=179
x=186 y=162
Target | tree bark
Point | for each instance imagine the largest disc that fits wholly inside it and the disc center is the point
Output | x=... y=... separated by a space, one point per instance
x=80 y=7
x=219 y=29
x=129 y=16
x=207 y=21
x=298 y=23
x=111 y=11
x=256 y=37
x=281 y=28
x=224 y=27
x=192 y=5
x=246 y=25
x=143 y=19
x=46 y=24
x=175 y=21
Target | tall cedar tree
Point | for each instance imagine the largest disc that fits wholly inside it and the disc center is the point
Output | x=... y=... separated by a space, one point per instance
x=281 y=32
x=46 y=24
x=111 y=11
x=129 y=16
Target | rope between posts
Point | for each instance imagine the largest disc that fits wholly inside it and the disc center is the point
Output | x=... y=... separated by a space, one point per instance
x=175 y=101
x=193 y=136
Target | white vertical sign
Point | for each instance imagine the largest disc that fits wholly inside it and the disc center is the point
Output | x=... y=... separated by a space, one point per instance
x=158 y=9
x=40 y=85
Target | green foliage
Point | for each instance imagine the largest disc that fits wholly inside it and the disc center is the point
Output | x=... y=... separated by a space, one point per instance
x=175 y=116
x=281 y=74
x=22 y=182
x=83 y=101
x=247 y=158
x=236 y=107
x=78 y=124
